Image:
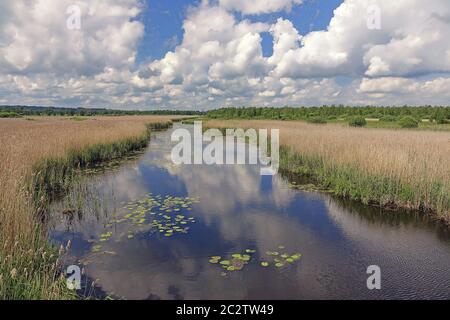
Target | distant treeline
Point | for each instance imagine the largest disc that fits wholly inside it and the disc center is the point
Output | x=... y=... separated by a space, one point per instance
x=331 y=112
x=10 y=111
x=438 y=113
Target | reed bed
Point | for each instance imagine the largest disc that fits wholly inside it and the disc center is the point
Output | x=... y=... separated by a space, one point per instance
x=393 y=168
x=49 y=148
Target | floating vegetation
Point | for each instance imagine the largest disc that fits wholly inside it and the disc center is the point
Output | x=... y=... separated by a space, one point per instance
x=96 y=248
x=307 y=187
x=280 y=260
x=96 y=252
x=239 y=260
x=111 y=165
x=236 y=263
x=167 y=216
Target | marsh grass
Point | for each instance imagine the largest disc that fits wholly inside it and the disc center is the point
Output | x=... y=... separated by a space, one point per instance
x=350 y=183
x=52 y=177
x=39 y=158
x=32 y=270
x=79 y=118
x=160 y=126
x=391 y=168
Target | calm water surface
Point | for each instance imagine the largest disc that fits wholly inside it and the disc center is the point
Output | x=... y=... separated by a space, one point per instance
x=237 y=209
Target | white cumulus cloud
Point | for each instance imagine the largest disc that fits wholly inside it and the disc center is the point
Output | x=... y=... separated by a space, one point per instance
x=219 y=61
x=259 y=6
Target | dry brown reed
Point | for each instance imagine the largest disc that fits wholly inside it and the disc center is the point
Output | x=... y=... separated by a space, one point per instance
x=24 y=142
x=419 y=159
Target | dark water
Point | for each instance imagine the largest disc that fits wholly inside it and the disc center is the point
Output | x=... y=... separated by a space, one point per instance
x=238 y=209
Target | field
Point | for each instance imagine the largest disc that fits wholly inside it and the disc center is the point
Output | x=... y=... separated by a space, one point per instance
x=424 y=124
x=423 y=118
x=391 y=168
x=28 y=265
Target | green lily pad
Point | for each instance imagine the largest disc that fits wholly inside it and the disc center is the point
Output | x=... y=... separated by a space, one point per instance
x=245 y=257
x=96 y=248
x=264 y=264
x=296 y=256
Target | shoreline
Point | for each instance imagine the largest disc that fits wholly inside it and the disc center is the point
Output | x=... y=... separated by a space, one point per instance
x=51 y=177
x=293 y=163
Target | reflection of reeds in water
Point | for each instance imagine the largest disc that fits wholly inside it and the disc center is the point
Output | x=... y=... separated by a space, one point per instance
x=53 y=147
x=410 y=169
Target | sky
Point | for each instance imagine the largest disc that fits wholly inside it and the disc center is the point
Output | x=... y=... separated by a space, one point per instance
x=199 y=54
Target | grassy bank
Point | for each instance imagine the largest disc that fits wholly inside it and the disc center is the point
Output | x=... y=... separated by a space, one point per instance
x=52 y=177
x=350 y=183
x=41 y=159
x=392 y=168
x=30 y=269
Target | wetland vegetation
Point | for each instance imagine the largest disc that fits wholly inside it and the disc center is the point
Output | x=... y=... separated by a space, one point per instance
x=40 y=159
x=425 y=117
x=393 y=169
x=155 y=230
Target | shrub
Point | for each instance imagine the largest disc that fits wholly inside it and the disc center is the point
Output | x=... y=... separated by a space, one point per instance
x=357 y=122
x=9 y=115
x=409 y=122
x=388 y=119
x=440 y=119
x=316 y=119
x=374 y=115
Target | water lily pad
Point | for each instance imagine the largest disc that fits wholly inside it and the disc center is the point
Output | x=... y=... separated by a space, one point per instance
x=245 y=257
x=296 y=256
x=96 y=248
x=264 y=264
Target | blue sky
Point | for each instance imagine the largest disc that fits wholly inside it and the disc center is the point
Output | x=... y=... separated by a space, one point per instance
x=163 y=22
